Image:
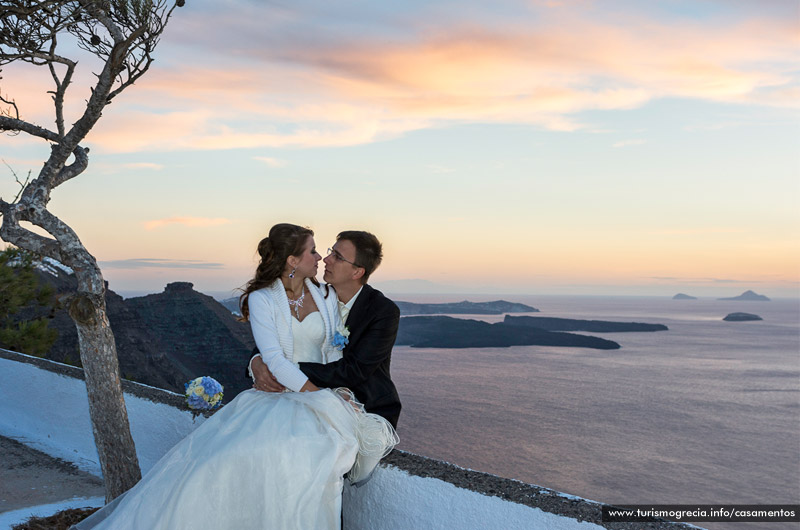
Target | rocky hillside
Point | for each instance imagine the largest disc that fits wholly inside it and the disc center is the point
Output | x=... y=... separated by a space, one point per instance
x=197 y=333
x=162 y=339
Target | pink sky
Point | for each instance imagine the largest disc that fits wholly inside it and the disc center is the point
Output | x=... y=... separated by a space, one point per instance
x=531 y=144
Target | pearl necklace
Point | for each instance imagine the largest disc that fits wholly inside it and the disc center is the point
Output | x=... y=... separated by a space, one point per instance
x=297 y=304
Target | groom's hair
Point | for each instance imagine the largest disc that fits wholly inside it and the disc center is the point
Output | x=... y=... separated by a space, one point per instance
x=369 y=251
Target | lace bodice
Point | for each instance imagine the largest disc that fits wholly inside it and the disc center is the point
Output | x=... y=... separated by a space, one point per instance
x=308 y=337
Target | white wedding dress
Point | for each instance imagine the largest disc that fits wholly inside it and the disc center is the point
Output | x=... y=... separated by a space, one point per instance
x=265 y=460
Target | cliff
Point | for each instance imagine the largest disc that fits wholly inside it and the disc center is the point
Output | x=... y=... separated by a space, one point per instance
x=139 y=358
x=198 y=335
x=168 y=338
x=164 y=339
x=497 y=307
x=449 y=332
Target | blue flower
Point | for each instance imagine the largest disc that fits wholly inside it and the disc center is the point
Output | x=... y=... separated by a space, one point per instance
x=197 y=402
x=211 y=386
x=203 y=393
x=340 y=341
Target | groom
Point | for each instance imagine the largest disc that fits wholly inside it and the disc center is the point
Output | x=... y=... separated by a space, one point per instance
x=372 y=320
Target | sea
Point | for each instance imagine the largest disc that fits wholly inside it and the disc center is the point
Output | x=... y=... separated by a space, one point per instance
x=707 y=412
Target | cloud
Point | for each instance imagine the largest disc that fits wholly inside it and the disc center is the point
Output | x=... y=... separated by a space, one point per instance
x=710 y=230
x=626 y=143
x=130 y=131
x=144 y=165
x=434 y=168
x=16 y=164
x=307 y=80
x=155 y=263
x=698 y=280
x=271 y=162
x=712 y=126
x=193 y=222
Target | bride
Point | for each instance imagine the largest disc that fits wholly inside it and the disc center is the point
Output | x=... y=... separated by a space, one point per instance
x=267 y=460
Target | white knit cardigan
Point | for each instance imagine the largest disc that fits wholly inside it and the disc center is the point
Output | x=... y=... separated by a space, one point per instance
x=271 y=322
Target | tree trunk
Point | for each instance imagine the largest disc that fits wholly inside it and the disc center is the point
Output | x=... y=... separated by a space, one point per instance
x=112 y=435
x=128 y=33
x=87 y=308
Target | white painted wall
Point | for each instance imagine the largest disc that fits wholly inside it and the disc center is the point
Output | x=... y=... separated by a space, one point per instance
x=394 y=499
x=50 y=412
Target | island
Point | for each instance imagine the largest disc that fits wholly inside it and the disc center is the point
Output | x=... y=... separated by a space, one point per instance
x=741 y=317
x=450 y=332
x=497 y=307
x=681 y=296
x=570 y=324
x=748 y=296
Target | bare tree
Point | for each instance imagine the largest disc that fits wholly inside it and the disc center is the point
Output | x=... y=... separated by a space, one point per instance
x=119 y=36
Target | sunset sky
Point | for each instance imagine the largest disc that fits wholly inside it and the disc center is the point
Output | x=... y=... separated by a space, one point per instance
x=538 y=147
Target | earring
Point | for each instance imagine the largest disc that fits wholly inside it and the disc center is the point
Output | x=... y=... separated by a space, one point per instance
x=291 y=274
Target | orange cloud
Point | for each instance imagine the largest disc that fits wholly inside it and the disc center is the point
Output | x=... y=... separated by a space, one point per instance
x=542 y=71
x=575 y=65
x=193 y=222
x=144 y=165
x=271 y=162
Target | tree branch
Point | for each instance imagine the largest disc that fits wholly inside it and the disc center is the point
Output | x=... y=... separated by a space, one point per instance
x=61 y=84
x=8 y=123
x=12 y=232
x=76 y=168
x=66 y=248
x=121 y=63
x=21 y=184
x=27 y=8
x=12 y=106
x=94 y=8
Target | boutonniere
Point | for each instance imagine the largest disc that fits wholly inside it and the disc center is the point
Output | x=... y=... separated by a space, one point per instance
x=341 y=338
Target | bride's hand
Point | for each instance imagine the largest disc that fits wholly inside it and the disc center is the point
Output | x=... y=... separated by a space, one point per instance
x=309 y=387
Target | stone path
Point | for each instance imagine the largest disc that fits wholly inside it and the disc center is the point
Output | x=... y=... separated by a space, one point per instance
x=31 y=478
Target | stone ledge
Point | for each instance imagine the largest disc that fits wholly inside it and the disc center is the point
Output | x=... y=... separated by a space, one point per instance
x=151 y=393
x=517 y=492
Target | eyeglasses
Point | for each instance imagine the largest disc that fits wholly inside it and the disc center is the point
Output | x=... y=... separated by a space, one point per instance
x=339 y=257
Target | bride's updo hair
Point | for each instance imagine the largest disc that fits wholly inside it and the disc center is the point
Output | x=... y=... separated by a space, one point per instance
x=284 y=240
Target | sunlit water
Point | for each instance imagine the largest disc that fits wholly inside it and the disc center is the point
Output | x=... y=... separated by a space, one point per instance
x=707 y=412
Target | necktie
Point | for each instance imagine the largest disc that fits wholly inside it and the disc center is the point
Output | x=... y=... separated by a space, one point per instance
x=344 y=311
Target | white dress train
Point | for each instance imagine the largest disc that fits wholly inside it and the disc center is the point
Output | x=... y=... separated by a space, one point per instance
x=264 y=460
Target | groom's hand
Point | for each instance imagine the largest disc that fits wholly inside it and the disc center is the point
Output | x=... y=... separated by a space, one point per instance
x=264 y=380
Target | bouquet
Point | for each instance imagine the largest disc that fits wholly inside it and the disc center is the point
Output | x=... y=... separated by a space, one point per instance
x=203 y=393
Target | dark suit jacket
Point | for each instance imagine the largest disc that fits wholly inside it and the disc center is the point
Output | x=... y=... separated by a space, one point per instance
x=364 y=366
